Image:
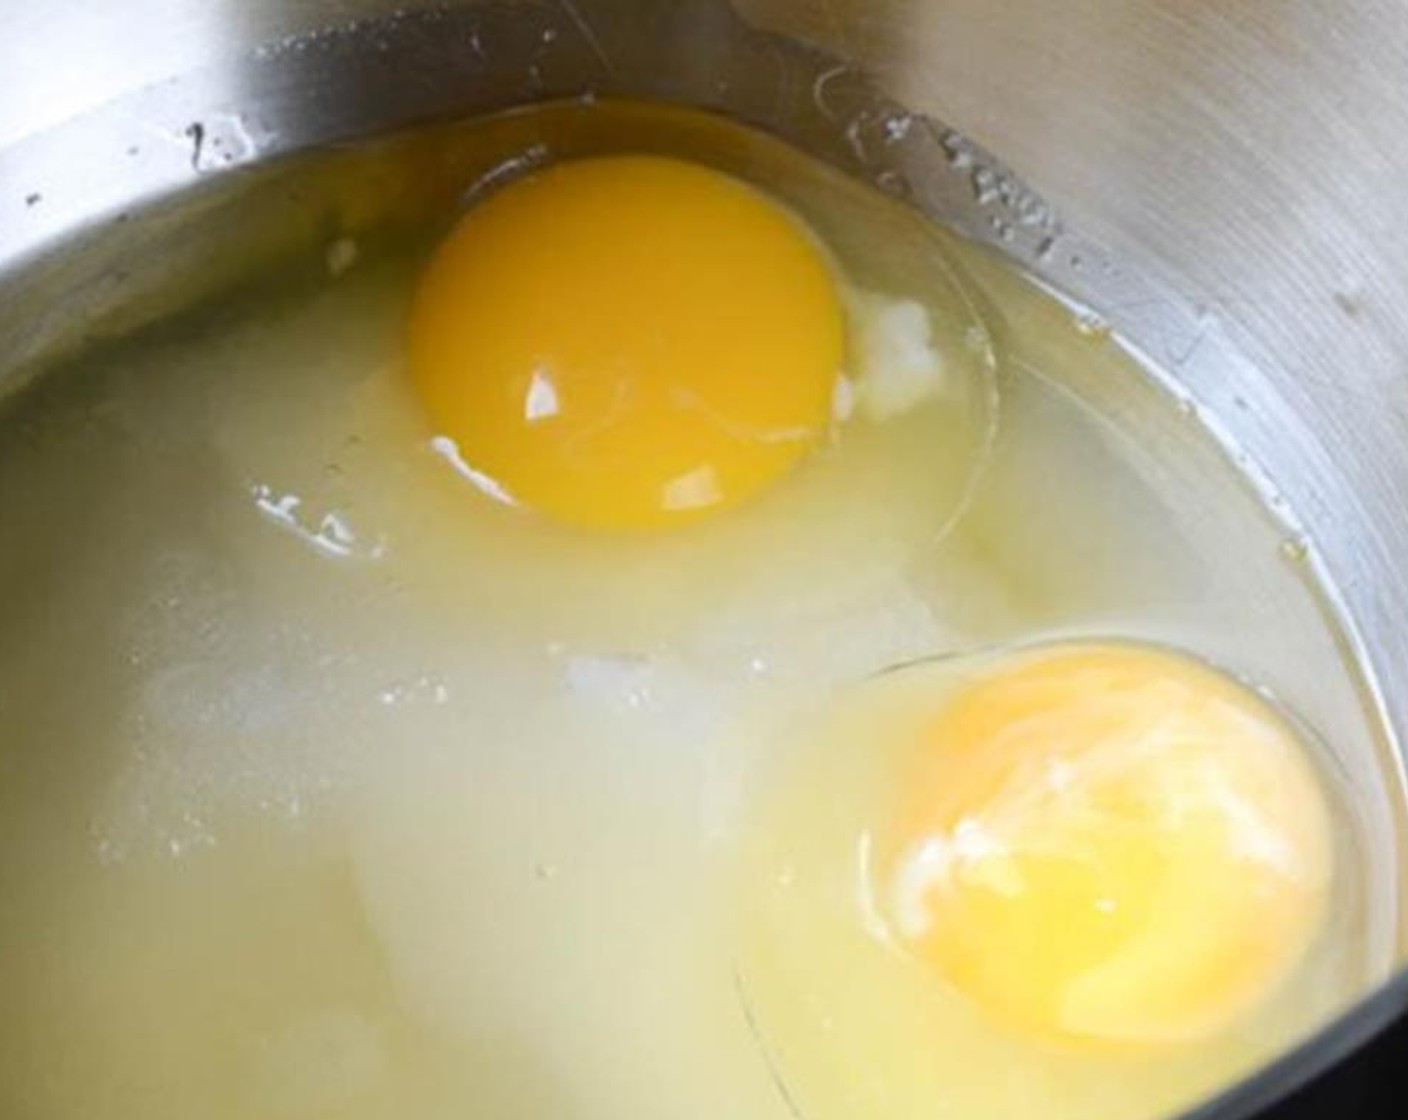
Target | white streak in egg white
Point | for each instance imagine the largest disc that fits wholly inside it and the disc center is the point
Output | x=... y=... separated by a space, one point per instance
x=931 y=864
x=1194 y=787
x=695 y=489
x=870 y=912
x=927 y=864
x=899 y=366
x=337 y=533
x=843 y=399
x=541 y=401
x=330 y=535
x=449 y=450
x=1252 y=836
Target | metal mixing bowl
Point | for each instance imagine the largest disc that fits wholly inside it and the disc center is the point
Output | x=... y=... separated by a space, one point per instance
x=1224 y=182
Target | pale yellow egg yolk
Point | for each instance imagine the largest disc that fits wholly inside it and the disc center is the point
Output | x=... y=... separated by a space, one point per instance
x=628 y=342
x=1110 y=843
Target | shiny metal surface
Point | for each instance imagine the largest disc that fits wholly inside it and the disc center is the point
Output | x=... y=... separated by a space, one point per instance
x=1239 y=164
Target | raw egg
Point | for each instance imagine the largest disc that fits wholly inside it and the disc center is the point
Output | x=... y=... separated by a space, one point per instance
x=1081 y=853
x=628 y=342
x=1108 y=842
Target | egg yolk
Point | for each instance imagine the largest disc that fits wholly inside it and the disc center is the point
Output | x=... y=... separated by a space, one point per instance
x=628 y=342
x=1110 y=843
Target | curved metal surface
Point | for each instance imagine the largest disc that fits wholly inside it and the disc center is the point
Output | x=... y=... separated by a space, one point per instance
x=1241 y=161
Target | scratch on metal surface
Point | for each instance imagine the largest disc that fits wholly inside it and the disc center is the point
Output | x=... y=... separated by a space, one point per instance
x=1180 y=355
x=476 y=45
x=588 y=33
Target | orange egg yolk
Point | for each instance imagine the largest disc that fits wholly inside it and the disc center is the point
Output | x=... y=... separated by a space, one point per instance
x=1110 y=843
x=628 y=342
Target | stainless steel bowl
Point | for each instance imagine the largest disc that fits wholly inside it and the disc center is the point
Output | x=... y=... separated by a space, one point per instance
x=1226 y=183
